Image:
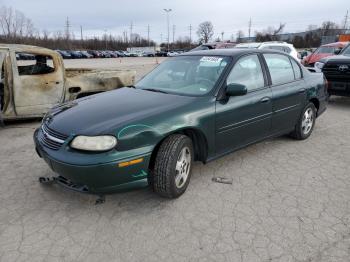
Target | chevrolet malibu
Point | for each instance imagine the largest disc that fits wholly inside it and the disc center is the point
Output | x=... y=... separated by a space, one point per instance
x=193 y=107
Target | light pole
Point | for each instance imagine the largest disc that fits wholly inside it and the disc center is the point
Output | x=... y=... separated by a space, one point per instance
x=167 y=19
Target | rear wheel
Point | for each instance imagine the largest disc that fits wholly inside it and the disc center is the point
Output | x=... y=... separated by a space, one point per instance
x=173 y=166
x=306 y=123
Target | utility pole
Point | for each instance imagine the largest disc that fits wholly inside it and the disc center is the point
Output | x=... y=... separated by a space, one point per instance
x=250 y=27
x=222 y=36
x=190 y=35
x=346 y=20
x=131 y=27
x=81 y=33
x=67 y=28
x=148 y=30
x=167 y=19
x=174 y=28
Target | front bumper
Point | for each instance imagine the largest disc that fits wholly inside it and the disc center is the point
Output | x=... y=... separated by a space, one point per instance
x=339 y=88
x=97 y=178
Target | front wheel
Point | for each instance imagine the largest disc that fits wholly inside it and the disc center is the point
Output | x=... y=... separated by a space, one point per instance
x=306 y=123
x=173 y=166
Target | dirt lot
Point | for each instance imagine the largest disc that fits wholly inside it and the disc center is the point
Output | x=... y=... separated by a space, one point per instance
x=289 y=201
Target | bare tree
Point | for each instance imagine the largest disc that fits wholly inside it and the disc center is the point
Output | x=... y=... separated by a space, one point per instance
x=14 y=23
x=205 y=31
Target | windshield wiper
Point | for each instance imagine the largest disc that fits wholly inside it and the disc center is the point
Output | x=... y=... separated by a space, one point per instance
x=155 y=90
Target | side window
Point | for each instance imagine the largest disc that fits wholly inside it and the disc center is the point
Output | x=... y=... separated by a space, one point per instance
x=296 y=68
x=247 y=71
x=280 y=68
x=33 y=64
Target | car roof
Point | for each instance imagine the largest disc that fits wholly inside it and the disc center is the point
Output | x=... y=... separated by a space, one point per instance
x=259 y=44
x=230 y=52
x=26 y=48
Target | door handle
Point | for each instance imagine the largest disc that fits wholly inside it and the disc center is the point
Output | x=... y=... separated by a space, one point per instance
x=302 y=90
x=265 y=99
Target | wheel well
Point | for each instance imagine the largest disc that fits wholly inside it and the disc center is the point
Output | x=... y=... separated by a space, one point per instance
x=200 y=145
x=315 y=102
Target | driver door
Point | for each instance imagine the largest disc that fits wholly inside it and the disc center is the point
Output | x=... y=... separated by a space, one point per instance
x=241 y=120
x=34 y=92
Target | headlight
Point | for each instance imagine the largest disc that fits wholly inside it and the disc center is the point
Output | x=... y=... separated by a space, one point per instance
x=319 y=65
x=94 y=143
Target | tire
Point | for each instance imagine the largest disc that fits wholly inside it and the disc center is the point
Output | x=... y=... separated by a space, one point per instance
x=173 y=165
x=306 y=123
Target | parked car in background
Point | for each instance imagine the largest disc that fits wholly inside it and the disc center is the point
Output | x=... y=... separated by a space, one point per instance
x=161 y=53
x=133 y=54
x=198 y=106
x=336 y=69
x=172 y=53
x=126 y=53
x=322 y=52
x=120 y=54
x=273 y=45
x=86 y=54
x=149 y=54
x=64 y=54
x=75 y=54
x=215 y=45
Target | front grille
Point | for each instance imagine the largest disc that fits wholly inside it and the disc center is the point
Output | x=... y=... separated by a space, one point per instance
x=332 y=72
x=51 y=138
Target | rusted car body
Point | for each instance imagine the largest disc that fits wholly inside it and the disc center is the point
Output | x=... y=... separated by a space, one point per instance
x=30 y=88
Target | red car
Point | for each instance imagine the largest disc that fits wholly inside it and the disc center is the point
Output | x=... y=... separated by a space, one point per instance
x=321 y=52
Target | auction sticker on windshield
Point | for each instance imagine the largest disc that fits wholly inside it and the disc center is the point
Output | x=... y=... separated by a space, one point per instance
x=213 y=59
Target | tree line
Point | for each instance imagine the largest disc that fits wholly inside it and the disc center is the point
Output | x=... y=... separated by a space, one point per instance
x=16 y=28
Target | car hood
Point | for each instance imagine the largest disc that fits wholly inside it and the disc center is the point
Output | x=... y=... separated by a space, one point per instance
x=313 y=58
x=103 y=113
x=336 y=59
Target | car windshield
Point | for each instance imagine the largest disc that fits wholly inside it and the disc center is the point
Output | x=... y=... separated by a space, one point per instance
x=325 y=50
x=346 y=51
x=185 y=75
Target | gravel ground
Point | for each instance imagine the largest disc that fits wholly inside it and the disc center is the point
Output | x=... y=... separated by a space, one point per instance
x=289 y=201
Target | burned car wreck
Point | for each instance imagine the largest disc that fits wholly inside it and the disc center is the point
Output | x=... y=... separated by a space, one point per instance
x=29 y=88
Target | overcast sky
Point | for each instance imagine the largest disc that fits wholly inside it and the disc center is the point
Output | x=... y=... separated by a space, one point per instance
x=228 y=16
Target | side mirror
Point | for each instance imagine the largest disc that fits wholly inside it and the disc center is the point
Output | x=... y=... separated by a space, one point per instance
x=337 y=51
x=236 y=90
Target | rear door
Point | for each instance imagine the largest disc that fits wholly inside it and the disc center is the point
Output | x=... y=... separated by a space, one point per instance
x=38 y=83
x=288 y=91
x=241 y=120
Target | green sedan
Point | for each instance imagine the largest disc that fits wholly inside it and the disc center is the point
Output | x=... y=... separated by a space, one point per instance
x=193 y=107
